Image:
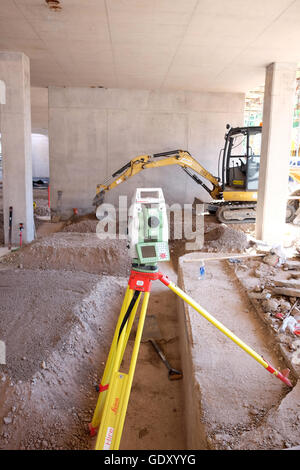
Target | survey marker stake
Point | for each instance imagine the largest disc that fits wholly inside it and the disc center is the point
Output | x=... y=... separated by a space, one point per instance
x=10 y=216
x=21 y=228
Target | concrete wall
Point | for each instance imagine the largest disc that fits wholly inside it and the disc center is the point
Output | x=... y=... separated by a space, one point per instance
x=93 y=132
x=40 y=155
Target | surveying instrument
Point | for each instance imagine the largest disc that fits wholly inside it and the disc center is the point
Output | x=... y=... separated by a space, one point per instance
x=148 y=245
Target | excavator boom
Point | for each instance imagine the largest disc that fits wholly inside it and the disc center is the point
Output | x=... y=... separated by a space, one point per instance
x=175 y=157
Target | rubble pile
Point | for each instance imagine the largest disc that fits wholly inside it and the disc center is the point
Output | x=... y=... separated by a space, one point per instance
x=41 y=208
x=224 y=239
x=273 y=286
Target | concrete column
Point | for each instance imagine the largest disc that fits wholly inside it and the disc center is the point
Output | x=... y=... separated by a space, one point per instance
x=275 y=151
x=2 y=92
x=15 y=126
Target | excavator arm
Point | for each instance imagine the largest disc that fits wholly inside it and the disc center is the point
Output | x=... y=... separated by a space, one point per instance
x=175 y=157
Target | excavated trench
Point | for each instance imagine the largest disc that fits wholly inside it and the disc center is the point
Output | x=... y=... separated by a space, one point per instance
x=249 y=413
x=58 y=324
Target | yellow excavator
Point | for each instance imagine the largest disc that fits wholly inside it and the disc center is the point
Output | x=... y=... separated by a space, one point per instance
x=234 y=190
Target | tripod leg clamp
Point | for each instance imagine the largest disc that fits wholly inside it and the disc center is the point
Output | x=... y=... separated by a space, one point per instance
x=93 y=431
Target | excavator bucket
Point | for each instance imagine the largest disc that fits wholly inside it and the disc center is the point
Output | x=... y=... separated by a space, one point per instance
x=99 y=199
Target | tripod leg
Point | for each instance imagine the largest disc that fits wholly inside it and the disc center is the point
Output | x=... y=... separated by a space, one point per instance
x=189 y=300
x=115 y=407
x=109 y=364
x=124 y=332
x=129 y=327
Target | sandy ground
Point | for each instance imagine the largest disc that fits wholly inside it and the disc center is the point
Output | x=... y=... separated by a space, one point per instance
x=57 y=372
x=71 y=285
x=47 y=388
x=74 y=252
x=249 y=393
x=279 y=429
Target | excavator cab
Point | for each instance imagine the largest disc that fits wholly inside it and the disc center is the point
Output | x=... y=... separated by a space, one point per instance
x=240 y=164
x=241 y=159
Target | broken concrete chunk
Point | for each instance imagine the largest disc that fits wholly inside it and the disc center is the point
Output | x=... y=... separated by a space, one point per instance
x=259 y=295
x=288 y=324
x=292 y=265
x=285 y=306
x=292 y=346
x=295 y=275
x=291 y=284
x=271 y=260
x=257 y=288
x=286 y=291
x=7 y=420
x=270 y=305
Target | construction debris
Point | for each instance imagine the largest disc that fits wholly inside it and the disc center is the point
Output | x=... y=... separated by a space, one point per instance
x=275 y=299
x=292 y=265
x=276 y=257
x=290 y=284
x=286 y=291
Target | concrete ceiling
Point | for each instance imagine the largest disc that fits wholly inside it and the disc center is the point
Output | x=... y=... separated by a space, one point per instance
x=216 y=45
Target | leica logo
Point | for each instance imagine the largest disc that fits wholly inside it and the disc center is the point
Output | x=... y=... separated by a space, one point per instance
x=108 y=438
x=115 y=406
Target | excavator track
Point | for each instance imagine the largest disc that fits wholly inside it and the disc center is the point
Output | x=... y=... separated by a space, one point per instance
x=245 y=213
x=239 y=213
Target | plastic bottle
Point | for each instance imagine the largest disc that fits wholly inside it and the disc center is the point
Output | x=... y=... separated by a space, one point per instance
x=202 y=271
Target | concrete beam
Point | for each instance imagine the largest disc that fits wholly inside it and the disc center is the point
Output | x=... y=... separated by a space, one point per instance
x=275 y=151
x=15 y=125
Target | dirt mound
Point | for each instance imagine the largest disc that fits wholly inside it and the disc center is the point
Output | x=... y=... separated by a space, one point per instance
x=74 y=252
x=58 y=327
x=42 y=208
x=83 y=226
x=222 y=238
x=217 y=238
x=43 y=307
x=280 y=427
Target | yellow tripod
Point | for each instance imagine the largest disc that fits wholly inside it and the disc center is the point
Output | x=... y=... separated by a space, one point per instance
x=115 y=387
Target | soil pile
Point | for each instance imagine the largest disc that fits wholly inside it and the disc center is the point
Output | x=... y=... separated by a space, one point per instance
x=58 y=328
x=224 y=239
x=83 y=226
x=42 y=208
x=74 y=252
